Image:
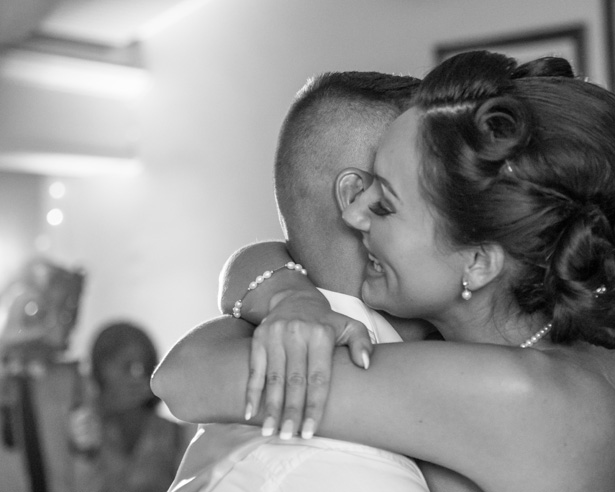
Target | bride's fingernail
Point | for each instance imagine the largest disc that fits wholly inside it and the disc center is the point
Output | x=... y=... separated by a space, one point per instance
x=248 y=414
x=307 y=430
x=365 y=357
x=287 y=430
x=268 y=427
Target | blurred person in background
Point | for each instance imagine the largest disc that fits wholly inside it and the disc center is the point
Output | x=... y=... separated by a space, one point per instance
x=121 y=441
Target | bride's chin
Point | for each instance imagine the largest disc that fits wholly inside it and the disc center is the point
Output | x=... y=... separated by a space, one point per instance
x=371 y=296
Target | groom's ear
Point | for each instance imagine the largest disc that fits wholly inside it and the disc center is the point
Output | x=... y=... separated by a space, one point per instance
x=349 y=183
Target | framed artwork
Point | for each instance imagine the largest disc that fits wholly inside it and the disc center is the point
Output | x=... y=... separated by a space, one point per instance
x=567 y=42
x=608 y=11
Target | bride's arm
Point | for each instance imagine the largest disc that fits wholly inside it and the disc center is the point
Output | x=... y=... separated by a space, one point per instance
x=246 y=264
x=201 y=377
x=293 y=345
x=485 y=411
x=287 y=290
x=461 y=406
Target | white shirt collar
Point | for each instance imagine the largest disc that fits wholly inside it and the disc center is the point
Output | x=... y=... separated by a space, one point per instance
x=380 y=330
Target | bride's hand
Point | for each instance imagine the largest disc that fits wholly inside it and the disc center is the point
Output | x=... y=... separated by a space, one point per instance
x=291 y=359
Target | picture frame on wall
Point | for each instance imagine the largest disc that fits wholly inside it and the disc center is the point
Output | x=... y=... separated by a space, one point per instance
x=608 y=11
x=567 y=42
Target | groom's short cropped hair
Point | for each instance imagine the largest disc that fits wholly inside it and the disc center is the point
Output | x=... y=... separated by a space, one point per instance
x=330 y=99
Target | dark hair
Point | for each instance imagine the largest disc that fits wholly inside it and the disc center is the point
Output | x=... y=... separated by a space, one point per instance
x=334 y=107
x=112 y=338
x=525 y=157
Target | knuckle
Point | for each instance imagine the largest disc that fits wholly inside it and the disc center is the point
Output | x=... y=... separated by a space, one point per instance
x=256 y=379
x=296 y=328
x=275 y=379
x=278 y=325
x=296 y=379
x=318 y=378
x=323 y=333
x=319 y=330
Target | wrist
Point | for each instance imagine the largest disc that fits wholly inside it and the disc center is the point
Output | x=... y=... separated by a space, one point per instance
x=285 y=274
x=298 y=295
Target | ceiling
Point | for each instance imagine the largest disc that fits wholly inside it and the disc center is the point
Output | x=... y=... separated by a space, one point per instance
x=113 y=23
x=69 y=70
x=19 y=18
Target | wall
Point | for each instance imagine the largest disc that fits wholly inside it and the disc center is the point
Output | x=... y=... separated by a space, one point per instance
x=153 y=244
x=20 y=203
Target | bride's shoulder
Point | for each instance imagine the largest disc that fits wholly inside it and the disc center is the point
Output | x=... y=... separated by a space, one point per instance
x=580 y=377
x=586 y=361
x=584 y=375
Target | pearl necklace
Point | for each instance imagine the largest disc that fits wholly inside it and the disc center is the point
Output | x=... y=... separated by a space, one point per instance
x=537 y=336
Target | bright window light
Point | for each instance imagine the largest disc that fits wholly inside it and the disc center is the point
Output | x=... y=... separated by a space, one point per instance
x=57 y=164
x=57 y=190
x=55 y=217
x=74 y=75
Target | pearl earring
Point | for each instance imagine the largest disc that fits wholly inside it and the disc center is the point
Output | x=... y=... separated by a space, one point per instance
x=466 y=293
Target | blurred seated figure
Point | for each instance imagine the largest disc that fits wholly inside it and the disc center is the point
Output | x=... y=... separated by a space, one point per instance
x=123 y=444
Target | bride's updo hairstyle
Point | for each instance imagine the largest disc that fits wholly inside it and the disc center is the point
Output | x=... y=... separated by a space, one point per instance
x=525 y=157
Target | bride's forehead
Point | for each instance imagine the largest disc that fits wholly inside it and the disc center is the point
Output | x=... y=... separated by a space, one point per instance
x=399 y=141
x=403 y=130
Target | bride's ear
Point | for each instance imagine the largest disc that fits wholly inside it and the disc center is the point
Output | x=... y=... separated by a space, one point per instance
x=348 y=184
x=485 y=264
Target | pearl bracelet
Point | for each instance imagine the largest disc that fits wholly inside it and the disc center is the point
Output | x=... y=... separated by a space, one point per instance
x=291 y=265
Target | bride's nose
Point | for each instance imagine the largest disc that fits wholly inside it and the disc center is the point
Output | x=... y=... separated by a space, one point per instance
x=355 y=215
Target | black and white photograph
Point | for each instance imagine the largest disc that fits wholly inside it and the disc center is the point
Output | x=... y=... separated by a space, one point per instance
x=323 y=246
